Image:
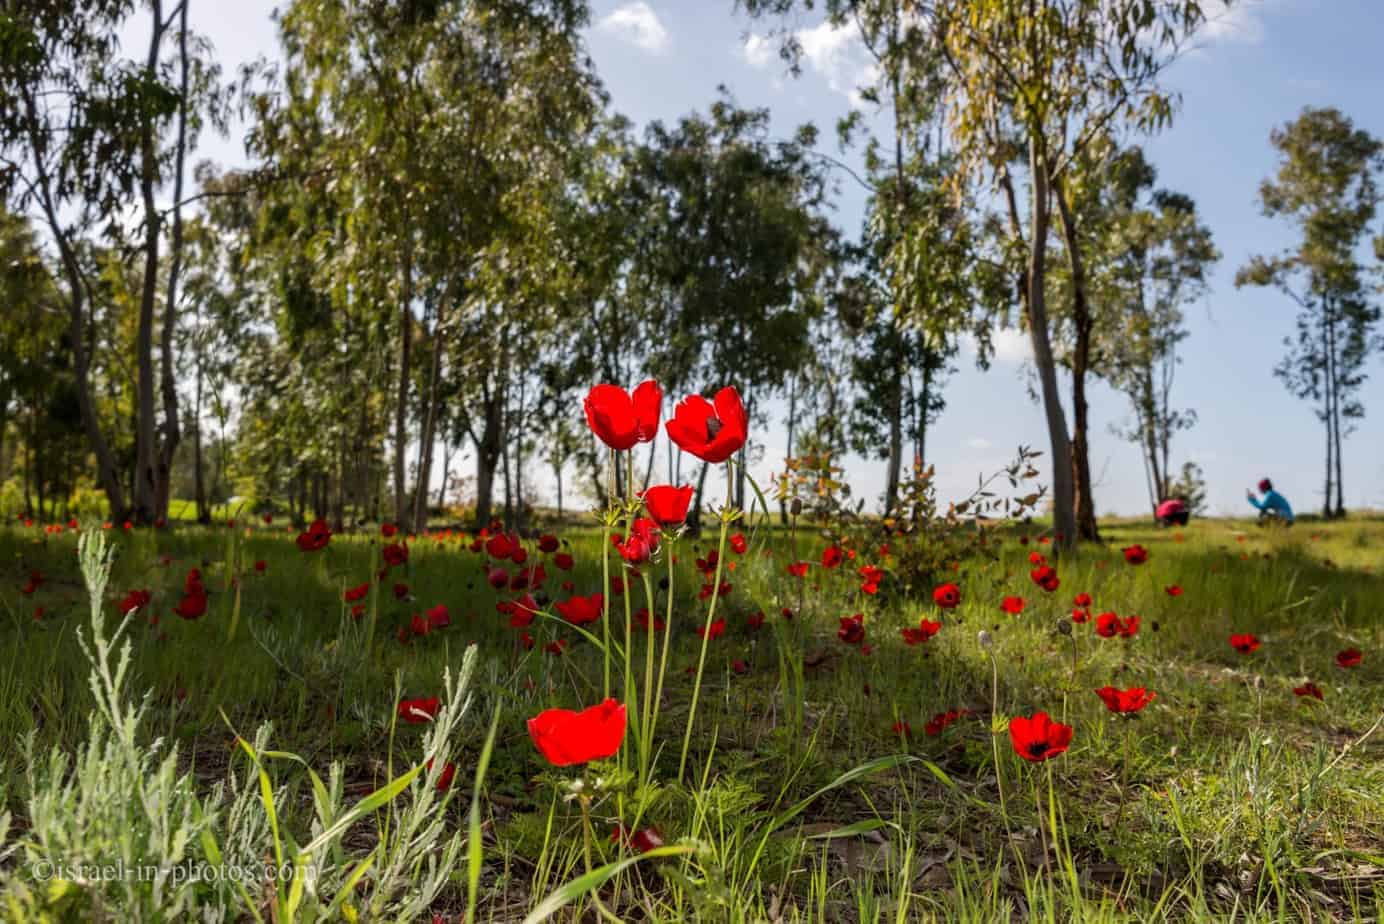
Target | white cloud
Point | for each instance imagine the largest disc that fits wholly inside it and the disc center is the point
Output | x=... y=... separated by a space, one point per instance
x=836 y=54
x=637 y=24
x=1008 y=345
x=1238 y=22
x=979 y=442
x=758 y=51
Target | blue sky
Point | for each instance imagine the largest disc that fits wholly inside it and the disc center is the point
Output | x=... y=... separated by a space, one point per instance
x=1255 y=67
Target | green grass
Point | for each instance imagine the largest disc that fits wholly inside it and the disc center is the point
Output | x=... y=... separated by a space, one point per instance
x=1228 y=798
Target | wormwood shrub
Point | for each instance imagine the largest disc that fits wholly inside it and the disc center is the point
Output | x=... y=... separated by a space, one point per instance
x=115 y=832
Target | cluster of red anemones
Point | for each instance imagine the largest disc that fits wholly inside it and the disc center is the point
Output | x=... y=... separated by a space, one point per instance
x=1111 y=625
x=938 y=723
x=852 y=629
x=926 y=629
x=1125 y=702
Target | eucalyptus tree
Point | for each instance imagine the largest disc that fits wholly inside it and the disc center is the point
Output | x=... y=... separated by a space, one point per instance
x=85 y=134
x=740 y=247
x=1028 y=85
x=1149 y=256
x=1327 y=185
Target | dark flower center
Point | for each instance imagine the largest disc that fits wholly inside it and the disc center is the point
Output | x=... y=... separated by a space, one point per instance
x=713 y=427
x=1037 y=748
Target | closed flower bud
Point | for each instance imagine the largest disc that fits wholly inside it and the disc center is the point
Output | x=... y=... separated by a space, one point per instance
x=985 y=640
x=1064 y=627
x=796 y=507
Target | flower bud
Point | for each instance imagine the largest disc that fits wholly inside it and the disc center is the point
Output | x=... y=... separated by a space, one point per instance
x=796 y=507
x=985 y=640
x=1064 y=627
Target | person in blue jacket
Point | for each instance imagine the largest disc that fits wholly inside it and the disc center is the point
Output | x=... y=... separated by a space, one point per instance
x=1274 y=505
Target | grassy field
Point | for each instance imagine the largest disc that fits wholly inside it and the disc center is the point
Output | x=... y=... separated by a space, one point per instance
x=813 y=788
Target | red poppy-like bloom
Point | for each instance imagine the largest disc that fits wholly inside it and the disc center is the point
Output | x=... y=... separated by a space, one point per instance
x=555 y=648
x=1125 y=701
x=418 y=711
x=1108 y=625
x=400 y=591
x=739 y=544
x=641 y=543
x=1309 y=689
x=497 y=578
x=832 y=556
x=938 y=723
x=134 y=600
x=388 y=530
x=852 y=630
x=1038 y=738
x=357 y=593
x=797 y=569
x=395 y=554
x=947 y=596
x=1045 y=577
x=580 y=611
x=193 y=605
x=754 y=621
x=1080 y=615
x=643 y=622
x=1135 y=554
x=260 y=565
x=418 y=625
x=668 y=505
x=902 y=729
x=713 y=431
x=438 y=617
x=640 y=841
x=563 y=560
x=1173 y=590
x=1082 y=600
x=1012 y=605
x=1349 y=658
x=547 y=543
x=716 y=629
x=1245 y=643
x=444 y=779
x=502 y=546
x=926 y=630
x=620 y=418
x=565 y=737
x=316 y=537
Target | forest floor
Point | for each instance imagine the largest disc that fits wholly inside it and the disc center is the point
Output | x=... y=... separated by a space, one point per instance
x=829 y=777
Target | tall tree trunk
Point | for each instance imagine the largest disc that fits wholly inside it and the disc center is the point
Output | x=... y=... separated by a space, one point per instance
x=894 y=466
x=1084 y=509
x=487 y=457
x=405 y=371
x=1340 y=510
x=557 y=476
x=446 y=473
x=199 y=476
x=1036 y=305
x=788 y=451
x=1326 y=418
x=429 y=430
x=168 y=386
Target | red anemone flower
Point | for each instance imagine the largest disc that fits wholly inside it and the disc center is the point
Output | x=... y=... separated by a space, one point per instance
x=438 y=617
x=1080 y=615
x=1245 y=643
x=357 y=593
x=565 y=737
x=193 y=605
x=738 y=544
x=1135 y=554
x=395 y=554
x=580 y=611
x=418 y=711
x=1125 y=701
x=1038 y=738
x=1173 y=590
x=938 y=723
x=547 y=543
x=713 y=431
x=388 y=530
x=715 y=630
x=563 y=560
x=668 y=505
x=134 y=600
x=797 y=569
x=926 y=630
x=1012 y=605
x=852 y=630
x=1309 y=689
x=832 y=556
x=620 y=418
x=1045 y=577
x=1082 y=600
x=1349 y=658
x=316 y=537
x=947 y=596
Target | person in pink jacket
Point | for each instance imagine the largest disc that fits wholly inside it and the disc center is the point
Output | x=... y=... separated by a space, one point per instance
x=1172 y=512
